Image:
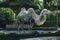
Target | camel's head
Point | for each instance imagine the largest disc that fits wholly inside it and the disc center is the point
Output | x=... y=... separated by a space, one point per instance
x=46 y=11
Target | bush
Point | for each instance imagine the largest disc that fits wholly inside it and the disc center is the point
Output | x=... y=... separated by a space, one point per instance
x=7 y=14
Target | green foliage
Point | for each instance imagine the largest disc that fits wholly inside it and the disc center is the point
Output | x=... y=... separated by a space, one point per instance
x=21 y=2
x=7 y=14
x=15 y=2
x=1 y=1
x=39 y=4
x=54 y=3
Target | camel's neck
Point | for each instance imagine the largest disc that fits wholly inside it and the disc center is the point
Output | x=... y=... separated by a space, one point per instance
x=42 y=12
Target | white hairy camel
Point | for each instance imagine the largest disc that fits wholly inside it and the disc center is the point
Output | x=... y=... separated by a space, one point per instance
x=25 y=18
